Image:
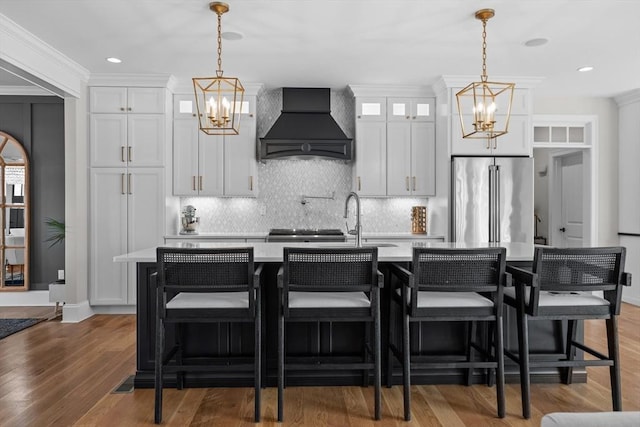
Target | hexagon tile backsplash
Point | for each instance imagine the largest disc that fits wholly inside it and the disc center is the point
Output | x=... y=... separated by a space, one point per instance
x=301 y=193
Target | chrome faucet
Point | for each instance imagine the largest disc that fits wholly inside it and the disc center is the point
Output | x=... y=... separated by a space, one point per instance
x=358 y=230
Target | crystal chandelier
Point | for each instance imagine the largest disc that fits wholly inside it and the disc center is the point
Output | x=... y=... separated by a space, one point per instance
x=219 y=98
x=484 y=107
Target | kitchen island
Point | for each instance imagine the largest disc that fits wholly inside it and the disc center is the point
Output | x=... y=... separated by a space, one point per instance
x=322 y=339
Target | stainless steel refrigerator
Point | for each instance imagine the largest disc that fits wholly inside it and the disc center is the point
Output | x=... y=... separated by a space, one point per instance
x=492 y=199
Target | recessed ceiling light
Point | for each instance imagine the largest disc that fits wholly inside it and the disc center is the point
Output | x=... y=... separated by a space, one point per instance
x=231 y=35
x=585 y=68
x=536 y=42
x=114 y=60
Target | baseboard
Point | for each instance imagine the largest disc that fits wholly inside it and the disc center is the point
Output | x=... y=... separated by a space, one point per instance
x=631 y=300
x=114 y=309
x=25 y=298
x=74 y=313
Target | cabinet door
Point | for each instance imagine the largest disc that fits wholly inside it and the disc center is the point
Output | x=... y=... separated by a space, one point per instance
x=108 y=225
x=145 y=139
x=423 y=159
x=371 y=109
x=518 y=141
x=423 y=109
x=211 y=164
x=145 y=215
x=240 y=161
x=146 y=100
x=629 y=172
x=398 y=109
x=370 y=166
x=185 y=157
x=108 y=140
x=107 y=99
x=184 y=106
x=399 y=158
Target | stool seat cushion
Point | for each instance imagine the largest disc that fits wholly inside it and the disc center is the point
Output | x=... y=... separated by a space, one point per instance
x=560 y=299
x=189 y=300
x=299 y=299
x=434 y=299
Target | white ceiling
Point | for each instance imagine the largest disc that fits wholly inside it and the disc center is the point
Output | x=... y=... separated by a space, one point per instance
x=325 y=43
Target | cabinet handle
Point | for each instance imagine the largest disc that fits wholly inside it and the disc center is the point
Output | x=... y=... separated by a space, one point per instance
x=359 y=117
x=129 y=184
x=359 y=184
x=406 y=182
x=122 y=153
x=130 y=153
x=194 y=114
x=488 y=143
x=129 y=109
x=408 y=117
x=250 y=182
x=122 y=190
x=414 y=183
x=414 y=117
x=121 y=108
x=193 y=182
x=200 y=182
x=495 y=143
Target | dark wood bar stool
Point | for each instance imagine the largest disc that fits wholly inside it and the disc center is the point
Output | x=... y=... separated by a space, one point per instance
x=449 y=285
x=205 y=286
x=560 y=287
x=330 y=285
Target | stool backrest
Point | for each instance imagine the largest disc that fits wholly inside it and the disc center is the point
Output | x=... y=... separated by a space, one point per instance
x=205 y=270
x=459 y=270
x=330 y=269
x=580 y=269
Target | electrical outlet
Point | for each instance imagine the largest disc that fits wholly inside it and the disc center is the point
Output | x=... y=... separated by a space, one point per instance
x=60 y=274
x=263 y=209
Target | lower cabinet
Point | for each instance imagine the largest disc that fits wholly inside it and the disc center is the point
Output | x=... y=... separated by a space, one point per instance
x=127 y=214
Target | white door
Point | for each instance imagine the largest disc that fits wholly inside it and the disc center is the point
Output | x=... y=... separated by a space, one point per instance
x=571 y=216
x=240 y=161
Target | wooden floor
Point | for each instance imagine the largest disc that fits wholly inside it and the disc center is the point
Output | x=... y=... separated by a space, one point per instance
x=57 y=374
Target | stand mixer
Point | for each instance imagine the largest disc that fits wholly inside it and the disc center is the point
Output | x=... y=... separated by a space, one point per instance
x=189 y=220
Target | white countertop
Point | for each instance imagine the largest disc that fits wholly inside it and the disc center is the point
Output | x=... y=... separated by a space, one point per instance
x=263 y=235
x=272 y=252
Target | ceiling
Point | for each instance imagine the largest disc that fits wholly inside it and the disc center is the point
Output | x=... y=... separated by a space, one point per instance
x=329 y=43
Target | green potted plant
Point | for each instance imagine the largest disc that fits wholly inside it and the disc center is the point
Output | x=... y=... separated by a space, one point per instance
x=57 y=231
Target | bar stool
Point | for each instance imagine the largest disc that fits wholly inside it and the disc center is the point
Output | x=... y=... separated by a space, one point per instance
x=449 y=285
x=197 y=285
x=560 y=287
x=330 y=285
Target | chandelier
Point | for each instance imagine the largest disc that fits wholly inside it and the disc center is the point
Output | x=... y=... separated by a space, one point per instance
x=484 y=107
x=219 y=98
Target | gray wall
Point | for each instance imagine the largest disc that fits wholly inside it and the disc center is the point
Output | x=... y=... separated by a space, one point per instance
x=38 y=123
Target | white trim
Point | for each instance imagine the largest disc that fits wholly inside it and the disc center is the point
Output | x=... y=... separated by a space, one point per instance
x=74 y=313
x=390 y=90
x=24 y=54
x=24 y=91
x=631 y=300
x=28 y=298
x=457 y=81
x=250 y=89
x=113 y=309
x=628 y=97
x=131 y=80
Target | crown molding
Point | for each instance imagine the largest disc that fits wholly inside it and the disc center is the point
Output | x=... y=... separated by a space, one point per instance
x=24 y=91
x=453 y=81
x=389 y=90
x=250 y=89
x=31 y=58
x=132 y=80
x=628 y=97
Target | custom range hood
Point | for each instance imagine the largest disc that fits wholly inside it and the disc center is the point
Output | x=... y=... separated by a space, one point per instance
x=305 y=129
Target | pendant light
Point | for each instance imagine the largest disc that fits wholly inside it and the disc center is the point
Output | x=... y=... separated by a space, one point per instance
x=484 y=107
x=219 y=98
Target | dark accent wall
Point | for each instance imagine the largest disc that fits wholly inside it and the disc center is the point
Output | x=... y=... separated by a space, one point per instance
x=38 y=123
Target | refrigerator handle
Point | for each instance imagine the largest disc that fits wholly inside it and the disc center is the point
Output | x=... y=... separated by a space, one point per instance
x=494 y=204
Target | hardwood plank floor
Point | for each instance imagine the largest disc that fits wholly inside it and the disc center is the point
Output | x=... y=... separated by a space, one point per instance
x=58 y=374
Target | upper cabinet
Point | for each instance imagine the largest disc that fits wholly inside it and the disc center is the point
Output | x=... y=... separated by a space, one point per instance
x=127 y=127
x=395 y=142
x=213 y=165
x=629 y=155
x=519 y=139
x=127 y=100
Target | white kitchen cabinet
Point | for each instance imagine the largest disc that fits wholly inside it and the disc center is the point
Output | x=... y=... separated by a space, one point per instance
x=197 y=160
x=240 y=166
x=410 y=109
x=370 y=165
x=127 y=140
x=411 y=167
x=138 y=100
x=517 y=142
x=371 y=109
x=213 y=165
x=127 y=206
